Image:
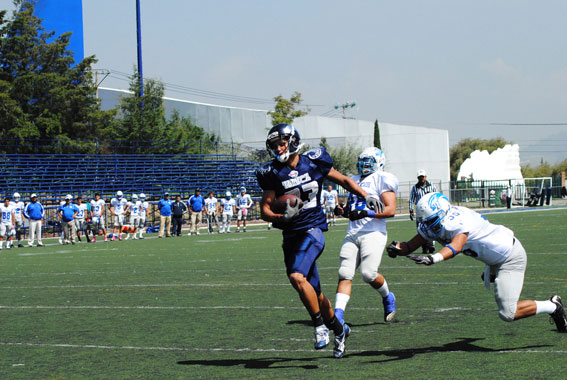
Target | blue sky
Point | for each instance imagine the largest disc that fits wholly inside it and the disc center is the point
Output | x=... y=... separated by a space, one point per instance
x=456 y=65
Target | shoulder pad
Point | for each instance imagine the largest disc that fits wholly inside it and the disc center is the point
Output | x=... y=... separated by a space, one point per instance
x=314 y=153
x=265 y=168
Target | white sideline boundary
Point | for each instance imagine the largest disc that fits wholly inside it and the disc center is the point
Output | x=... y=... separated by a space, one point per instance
x=247 y=349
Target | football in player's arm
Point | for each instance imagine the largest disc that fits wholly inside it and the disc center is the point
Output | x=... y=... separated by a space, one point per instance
x=462 y=230
x=302 y=175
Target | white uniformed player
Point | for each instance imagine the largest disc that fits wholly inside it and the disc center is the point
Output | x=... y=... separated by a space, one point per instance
x=18 y=207
x=7 y=224
x=460 y=229
x=366 y=235
x=118 y=208
x=79 y=220
x=212 y=211
x=228 y=206
x=144 y=211
x=133 y=208
x=97 y=211
x=243 y=203
x=331 y=200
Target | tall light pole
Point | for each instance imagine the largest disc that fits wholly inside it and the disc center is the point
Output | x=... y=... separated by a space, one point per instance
x=139 y=38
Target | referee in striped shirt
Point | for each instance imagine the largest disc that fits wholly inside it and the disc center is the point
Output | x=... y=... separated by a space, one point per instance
x=422 y=187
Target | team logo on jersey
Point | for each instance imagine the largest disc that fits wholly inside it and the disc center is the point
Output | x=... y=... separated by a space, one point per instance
x=314 y=153
x=296 y=181
x=293 y=174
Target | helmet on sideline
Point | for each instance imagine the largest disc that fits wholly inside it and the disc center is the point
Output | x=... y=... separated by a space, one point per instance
x=283 y=132
x=243 y=189
x=134 y=196
x=370 y=160
x=228 y=194
x=16 y=196
x=142 y=196
x=119 y=194
x=431 y=211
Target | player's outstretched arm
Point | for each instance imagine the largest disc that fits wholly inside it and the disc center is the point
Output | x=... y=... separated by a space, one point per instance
x=447 y=252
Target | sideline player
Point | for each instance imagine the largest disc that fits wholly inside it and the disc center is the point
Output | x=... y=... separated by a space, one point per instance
x=366 y=236
x=212 y=212
x=302 y=175
x=133 y=208
x=80 y=218
x=243 y=203
x=228 y=209
x=97 y=212
x=144 y=211
x=331 y=199
x=7 y=223
x=460 y=229
x=118 y=208
x=18 y=207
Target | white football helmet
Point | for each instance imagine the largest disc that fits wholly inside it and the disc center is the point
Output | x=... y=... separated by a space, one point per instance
x=16 y=197
x=142 y=196
x=243 y=189
x=370 y=160
x=134 y=196
x=119 y=194
x=431 y=211
x=228 y=194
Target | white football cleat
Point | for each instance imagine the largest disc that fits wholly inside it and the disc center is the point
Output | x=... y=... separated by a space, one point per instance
x=340 y=340
x=321 y=337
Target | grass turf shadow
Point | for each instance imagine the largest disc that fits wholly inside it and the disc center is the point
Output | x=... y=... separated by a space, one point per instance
x=261 y=363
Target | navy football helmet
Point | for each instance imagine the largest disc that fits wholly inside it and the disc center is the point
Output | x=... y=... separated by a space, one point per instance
x=285 y=132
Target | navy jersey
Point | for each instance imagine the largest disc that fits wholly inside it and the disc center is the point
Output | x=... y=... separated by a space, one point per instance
x=304 y=181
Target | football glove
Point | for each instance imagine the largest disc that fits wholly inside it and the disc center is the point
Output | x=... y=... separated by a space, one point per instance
x=290 y=212
x=420 y=259
x=411 y=215
x=359 y=214
x=492 y=277
x=374 y=203
x=340 y=210
x=393 y=249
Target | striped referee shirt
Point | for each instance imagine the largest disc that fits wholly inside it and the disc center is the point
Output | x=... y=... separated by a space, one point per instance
x=418 y=191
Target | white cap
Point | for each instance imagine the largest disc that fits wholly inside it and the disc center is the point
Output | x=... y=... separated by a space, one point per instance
x=16 y=195
x=119 y=193
x=142 y=195
x=421 y=172
x=134 y=196
x=34 y=195
x=68 y=196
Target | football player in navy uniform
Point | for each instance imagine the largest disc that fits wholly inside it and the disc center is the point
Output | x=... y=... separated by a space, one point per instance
x=302 y=175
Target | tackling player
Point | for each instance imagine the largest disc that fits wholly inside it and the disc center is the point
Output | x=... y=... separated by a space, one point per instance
x=118 y=208
x=228 y=209
x=18 y=207
x=302 y=175
x=366 y=235
x=7 y=222
x=331 y=199
x=243 y=203
x=460 y=229
x=97 y=212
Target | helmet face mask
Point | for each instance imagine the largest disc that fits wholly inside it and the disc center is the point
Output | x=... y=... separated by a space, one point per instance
x=283 y=136
x=431 y=211
x=119 y=194
x=370 y=161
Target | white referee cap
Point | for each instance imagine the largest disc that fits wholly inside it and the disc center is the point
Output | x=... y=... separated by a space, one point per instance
x=421 y=172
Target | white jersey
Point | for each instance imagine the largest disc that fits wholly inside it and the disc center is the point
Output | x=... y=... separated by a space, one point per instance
x=119 y=205
x=97 y=206
x=227 y=205
x=211 y=205
x=82 y=211
x=375 y=184
x=18 y=209
x=6 y=214
x=487 y=242
x=144 y=205
x=330 y=198
x=243 y=201
x=134 y=208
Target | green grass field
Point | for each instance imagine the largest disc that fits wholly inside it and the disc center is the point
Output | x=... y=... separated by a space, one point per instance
x=220 y=306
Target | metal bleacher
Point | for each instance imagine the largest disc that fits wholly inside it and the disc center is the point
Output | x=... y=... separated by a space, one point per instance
x=53 y=175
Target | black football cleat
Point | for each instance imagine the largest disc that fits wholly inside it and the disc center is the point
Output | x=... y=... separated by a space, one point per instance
x=558 y=315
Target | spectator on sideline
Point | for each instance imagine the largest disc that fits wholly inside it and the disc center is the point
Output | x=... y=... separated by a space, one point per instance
x=68 y=212
x=178 y=208
x=164 y=207
x=196 y=203
x=422 y=187
x=18 y=206
x=212 y=211
x=34 y=211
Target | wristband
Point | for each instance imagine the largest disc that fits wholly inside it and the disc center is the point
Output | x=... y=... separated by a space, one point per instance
x=371 y=214
x=437 y=258
x=452 y=249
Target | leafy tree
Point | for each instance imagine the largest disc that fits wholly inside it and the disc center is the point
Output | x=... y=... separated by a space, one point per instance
x=377 y=142
x=285 y=109
x=43 y=94
x=544 y=169
x=463 y=149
